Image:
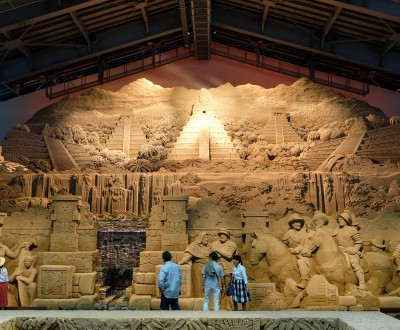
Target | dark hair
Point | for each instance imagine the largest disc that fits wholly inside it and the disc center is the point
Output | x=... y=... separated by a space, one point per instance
x=213 y=256
x=167 y=256
x=238 y=258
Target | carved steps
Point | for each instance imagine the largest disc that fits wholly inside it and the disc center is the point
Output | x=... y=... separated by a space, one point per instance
x=319 y=153
x=187 y=145
x=348 y=146
x=32 y=146
x=126 y=136
x=381 y=144
x=279 y=130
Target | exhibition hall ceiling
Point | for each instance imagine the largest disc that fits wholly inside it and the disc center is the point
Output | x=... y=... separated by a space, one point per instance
x=47 y=43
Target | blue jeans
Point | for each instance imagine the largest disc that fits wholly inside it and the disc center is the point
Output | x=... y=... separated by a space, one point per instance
x=215 y=294
x=166 y=302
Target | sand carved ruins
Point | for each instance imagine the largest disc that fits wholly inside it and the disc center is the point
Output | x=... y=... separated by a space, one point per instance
x=300 y=181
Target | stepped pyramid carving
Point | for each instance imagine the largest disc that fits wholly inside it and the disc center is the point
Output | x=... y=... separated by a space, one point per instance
x=204 y=135
x=279 y=130
x=126 y=136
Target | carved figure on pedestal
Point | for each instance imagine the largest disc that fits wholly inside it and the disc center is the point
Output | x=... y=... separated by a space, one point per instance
x=294 y=240
x=336 y=267
x=25 y=276
x=282 y=263
x=349 y=241
x=197 y=253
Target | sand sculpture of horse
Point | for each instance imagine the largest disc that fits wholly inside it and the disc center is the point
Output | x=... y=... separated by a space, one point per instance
x=333 y=265
x=282 y=264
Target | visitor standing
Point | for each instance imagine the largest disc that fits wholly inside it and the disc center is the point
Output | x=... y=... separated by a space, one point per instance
x=212 y=273
x=169 y=283
x=3 y=284
x=240 y=282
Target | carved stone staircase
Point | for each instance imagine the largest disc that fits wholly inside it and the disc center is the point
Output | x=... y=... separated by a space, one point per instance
x=126 y=136
x=381 y=144
x=203 y=137
x=279 y=130
x=32 y=146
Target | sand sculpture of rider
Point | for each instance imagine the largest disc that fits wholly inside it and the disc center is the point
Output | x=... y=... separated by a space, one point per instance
x=349 y=241
x=294 y=239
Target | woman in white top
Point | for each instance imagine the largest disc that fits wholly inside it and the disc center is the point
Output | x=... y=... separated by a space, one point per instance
x=3 y=284
x=240 y=281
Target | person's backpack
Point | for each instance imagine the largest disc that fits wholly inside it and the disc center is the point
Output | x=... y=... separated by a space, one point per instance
x=209 y=269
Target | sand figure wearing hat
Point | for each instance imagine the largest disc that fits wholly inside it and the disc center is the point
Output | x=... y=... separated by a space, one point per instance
x=294 y=239
x=378 y=244
x=3 y=284
x=321 y=221
x=349 y=241
x=225 y=249
x=197 y=253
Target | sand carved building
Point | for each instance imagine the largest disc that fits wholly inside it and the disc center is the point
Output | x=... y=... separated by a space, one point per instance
x=209 y=160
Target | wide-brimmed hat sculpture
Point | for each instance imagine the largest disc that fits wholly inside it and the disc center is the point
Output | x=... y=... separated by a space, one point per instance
x=224 y=232
x=295 y=217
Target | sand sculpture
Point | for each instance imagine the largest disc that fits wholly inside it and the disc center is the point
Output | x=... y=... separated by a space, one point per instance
x=198 y=169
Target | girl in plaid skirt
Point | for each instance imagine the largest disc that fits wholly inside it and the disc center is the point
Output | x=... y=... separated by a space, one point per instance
x=240 y=281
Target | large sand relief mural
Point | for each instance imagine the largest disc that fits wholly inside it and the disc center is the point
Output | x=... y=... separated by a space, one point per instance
x=299 y=180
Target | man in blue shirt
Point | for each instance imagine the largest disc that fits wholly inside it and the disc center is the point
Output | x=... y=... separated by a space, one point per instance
x=212 y=272
x=169 y=283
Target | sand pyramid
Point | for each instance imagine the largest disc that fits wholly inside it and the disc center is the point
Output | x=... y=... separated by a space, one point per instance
x=204 y=136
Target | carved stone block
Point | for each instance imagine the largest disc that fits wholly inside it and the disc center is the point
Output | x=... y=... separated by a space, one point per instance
x=174 y=242
x=149 y=260
x=198 y=304
x=87 y=240
x=261 y=296
x=175 y=215
x=186 y=287
x=140 y=302
x=155 y=304
x=321 y=293
x=64 y=242
x=153 y=239
x=87 y=283
x=186 y=304
x=55 y=282
x=85 y=262
x=145 y=289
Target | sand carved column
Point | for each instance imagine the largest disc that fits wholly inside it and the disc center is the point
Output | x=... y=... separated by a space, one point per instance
x=174 y=219
x=68 y=275
x=64 y=237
